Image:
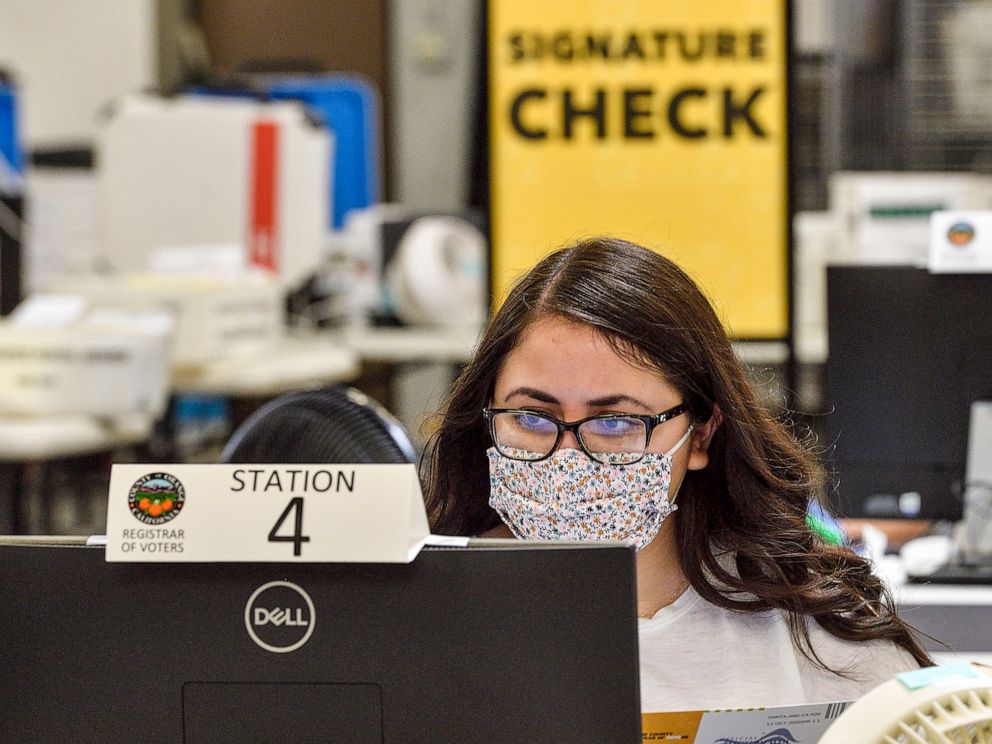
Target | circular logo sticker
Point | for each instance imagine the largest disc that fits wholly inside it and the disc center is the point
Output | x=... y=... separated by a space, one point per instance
x=960 y=233
x=280 y=616
x=156 y=498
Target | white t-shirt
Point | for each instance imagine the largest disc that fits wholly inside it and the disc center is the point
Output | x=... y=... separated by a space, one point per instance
x=698 y=656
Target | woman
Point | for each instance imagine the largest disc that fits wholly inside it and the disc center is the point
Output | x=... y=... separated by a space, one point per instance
x=605 y=401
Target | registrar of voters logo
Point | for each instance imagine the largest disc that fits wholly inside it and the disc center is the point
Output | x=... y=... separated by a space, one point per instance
x=960 y=233
x=280 y=616
x=156 y=498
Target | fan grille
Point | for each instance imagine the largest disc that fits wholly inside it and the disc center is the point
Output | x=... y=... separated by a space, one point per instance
x=956 y=718
x=335 y=425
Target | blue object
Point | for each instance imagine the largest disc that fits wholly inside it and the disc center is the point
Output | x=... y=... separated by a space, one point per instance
x=199 y=420
x=10 y=148
x=349 y=107
x=919 y=678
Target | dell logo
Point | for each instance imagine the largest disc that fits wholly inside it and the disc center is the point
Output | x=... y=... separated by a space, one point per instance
x=280 y=616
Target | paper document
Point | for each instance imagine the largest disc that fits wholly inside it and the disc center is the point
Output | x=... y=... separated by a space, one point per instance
x=788 y=724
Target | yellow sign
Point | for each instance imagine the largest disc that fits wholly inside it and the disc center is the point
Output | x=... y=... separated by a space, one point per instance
x=663 y=123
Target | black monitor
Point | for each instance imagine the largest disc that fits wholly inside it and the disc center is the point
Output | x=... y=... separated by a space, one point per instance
x=909 y=353
x=500 y=642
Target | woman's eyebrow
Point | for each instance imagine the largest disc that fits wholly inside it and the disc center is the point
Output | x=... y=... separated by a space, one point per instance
x=602 y=402
x=612 y=400
x=535 y=394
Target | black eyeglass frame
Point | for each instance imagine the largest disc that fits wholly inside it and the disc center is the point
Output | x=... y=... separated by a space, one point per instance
x=650 y=424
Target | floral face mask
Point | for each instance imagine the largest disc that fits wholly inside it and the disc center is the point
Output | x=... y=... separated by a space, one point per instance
x=570 y=497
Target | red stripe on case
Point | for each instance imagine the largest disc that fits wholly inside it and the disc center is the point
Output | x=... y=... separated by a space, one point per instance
x=263 y=231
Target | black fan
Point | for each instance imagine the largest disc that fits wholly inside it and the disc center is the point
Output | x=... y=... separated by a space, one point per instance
x=335 y=425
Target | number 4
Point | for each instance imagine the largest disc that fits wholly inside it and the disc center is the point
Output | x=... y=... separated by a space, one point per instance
x=297 y=538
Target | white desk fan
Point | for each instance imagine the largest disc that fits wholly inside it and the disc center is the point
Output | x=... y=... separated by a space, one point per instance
x=956 y=709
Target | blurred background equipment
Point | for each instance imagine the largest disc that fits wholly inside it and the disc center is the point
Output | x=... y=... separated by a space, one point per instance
x=346 y=105
x=358 y=257
x=438 y=275
x=198 y=170
x=11 y=197
x=215 y=315
x=407 y=267
x=11 y=154
x=350 y=109
x=884 y=217
x=974 y=535
x=76 y=383
x=966 y=39
x=84 y=361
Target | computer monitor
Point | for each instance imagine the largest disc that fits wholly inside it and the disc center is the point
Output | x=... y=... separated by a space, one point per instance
x=500 y=642
x=909 y=353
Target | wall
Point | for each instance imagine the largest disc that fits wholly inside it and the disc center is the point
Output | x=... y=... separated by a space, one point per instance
x=433 y=63
x=70 y=57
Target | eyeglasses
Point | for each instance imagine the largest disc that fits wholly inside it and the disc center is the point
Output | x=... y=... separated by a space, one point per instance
x=609 y=438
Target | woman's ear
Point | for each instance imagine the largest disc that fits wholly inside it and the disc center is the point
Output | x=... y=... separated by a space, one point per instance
x=699 y=443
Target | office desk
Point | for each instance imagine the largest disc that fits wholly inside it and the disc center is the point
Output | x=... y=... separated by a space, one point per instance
x=959 y=616
x=295 y=362
x=26 y=439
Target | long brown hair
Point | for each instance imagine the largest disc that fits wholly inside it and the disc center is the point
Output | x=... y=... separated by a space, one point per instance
x=748 y=504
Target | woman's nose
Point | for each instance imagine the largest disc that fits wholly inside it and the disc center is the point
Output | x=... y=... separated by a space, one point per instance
x=569 y=441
